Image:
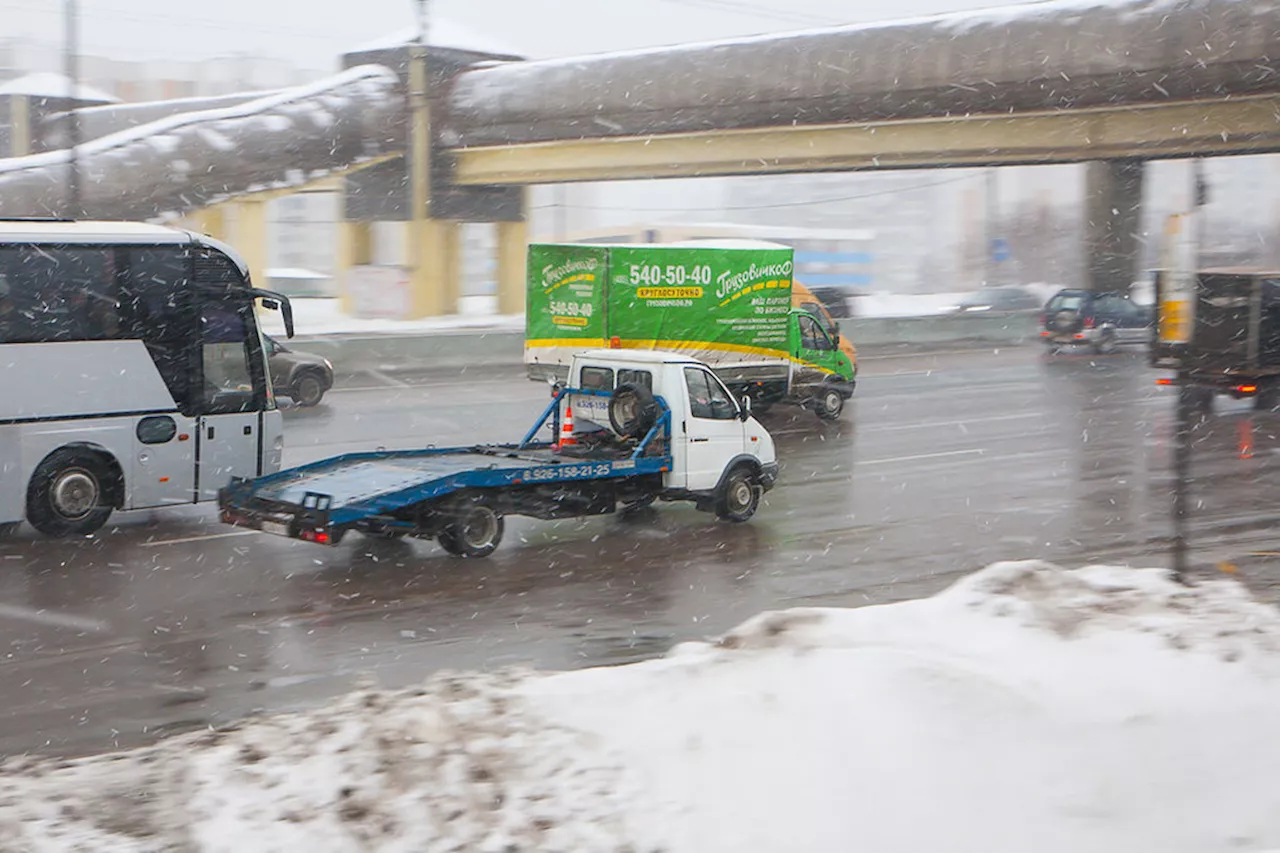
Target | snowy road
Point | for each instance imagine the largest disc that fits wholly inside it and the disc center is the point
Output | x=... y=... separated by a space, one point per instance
x=943 y=463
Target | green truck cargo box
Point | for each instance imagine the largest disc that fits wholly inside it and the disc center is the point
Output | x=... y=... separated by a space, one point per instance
x=728 y=307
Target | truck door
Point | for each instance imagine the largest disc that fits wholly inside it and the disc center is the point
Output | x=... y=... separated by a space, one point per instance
x=712 y=433
x=227 y=438
x=816 y=355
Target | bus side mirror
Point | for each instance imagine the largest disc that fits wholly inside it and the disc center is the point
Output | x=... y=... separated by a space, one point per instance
x=744 y=411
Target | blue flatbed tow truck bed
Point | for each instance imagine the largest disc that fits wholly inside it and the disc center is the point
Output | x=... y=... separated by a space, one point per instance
x=420 y=492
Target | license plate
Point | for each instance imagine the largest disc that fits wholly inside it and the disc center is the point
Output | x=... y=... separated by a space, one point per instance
x=276 y=527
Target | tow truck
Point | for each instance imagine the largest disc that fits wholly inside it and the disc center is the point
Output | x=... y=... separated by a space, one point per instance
x=629 y=428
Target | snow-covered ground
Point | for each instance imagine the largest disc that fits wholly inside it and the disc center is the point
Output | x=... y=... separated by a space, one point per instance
x=1026 y=708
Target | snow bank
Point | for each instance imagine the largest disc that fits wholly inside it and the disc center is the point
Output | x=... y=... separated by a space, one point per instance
x=1025 y=708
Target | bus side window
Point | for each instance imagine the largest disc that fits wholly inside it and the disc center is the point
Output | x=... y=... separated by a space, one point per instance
x=159 y=313
x=60 y=293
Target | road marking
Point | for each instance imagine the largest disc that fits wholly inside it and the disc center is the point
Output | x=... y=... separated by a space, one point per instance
x=57 y=620
x=978 y=350
x=158 y=542
x=886 y=460
x=966 y=422
x=389 y=380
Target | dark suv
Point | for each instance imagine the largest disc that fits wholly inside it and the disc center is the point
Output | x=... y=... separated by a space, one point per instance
x=1102 y=321
x=300 y=375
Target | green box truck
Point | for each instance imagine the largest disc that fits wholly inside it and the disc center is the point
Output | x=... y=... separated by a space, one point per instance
x=728 y=307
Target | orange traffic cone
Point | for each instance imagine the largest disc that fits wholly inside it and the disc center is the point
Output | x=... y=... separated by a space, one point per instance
x=566 y=429
x=1246 y=439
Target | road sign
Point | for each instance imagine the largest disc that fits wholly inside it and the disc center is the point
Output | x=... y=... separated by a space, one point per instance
x=1178 y=285
x=1000 y=251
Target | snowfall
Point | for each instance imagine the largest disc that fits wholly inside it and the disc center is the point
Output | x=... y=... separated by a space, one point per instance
x=1028 y=707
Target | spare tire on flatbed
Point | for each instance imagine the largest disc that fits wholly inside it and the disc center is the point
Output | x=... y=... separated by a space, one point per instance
x=632 y=410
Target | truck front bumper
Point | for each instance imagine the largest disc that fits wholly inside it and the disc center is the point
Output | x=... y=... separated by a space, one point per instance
x=768 y=475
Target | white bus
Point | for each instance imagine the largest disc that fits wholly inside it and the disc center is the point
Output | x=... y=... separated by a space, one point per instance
x=132 y=372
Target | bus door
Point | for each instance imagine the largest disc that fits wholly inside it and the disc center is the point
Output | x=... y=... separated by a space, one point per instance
x=233 y=393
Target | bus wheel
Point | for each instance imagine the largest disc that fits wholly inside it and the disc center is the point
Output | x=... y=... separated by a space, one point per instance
x=475 y=531
x=830 y=404
x=68 y=494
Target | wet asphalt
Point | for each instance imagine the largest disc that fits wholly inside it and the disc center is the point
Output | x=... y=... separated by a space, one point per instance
x=943 y=462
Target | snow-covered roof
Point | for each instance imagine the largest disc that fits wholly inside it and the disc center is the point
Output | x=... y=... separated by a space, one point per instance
x=47 y=84
x=444 y=33
x=88 y=231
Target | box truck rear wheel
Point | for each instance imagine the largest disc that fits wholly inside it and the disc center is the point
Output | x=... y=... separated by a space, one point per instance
x=830 y=404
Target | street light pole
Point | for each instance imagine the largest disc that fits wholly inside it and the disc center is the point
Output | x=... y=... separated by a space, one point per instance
x=73 y=117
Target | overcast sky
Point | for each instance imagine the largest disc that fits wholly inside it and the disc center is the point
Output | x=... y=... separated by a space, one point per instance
x=313 y=33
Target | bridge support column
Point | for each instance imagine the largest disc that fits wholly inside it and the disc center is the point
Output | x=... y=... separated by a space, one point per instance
x=211 y=221
x=19 y=126
x=434 y=265
x=1113 y=207
x=355 y=248
x=513 y=241
x=251 y=238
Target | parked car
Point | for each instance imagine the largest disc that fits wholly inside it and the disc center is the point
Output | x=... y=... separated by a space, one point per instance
x=301 y=376
x=996 y=299
x=1102 y=321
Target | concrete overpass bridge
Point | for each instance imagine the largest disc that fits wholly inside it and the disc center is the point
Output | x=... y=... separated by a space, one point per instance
x=1111 y=84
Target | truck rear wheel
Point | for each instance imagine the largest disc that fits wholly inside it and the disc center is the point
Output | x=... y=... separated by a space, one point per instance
x=830 y=404
x=739 y=495
x=474 y=531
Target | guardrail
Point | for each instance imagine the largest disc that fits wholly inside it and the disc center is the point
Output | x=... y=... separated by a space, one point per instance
x=504 y=347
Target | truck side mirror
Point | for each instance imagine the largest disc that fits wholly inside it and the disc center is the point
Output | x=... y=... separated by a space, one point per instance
x=744 y=411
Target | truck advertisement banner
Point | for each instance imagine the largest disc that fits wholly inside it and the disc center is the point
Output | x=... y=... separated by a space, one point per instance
x=700 y=299
x=716 y=304
x=565 y=296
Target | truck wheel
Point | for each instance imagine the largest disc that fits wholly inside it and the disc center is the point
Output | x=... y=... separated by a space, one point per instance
x=308 y=390
x=1198 y=400
x=69 y=493
x=739 y=495
x=475 y=531
x=830 y=404
x=632 y=410
x=1267 y=399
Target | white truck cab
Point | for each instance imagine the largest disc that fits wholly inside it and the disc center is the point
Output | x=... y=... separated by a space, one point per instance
x=716 y=445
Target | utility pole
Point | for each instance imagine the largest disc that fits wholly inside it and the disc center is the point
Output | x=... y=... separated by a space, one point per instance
x=73 y=209
x=989 y=219
x=418 y=95
x=1190 y=399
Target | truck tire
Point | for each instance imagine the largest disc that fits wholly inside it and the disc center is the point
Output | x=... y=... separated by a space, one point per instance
x=738 y=497
x=69 y=493
x=474 y=531
x=632 y=410
x=1267 y=398
x=829 y=404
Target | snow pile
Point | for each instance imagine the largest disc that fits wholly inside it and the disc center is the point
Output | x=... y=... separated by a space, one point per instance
x=1026 y=708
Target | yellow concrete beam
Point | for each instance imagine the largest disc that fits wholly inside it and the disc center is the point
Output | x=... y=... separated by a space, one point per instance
x=1181 y=129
